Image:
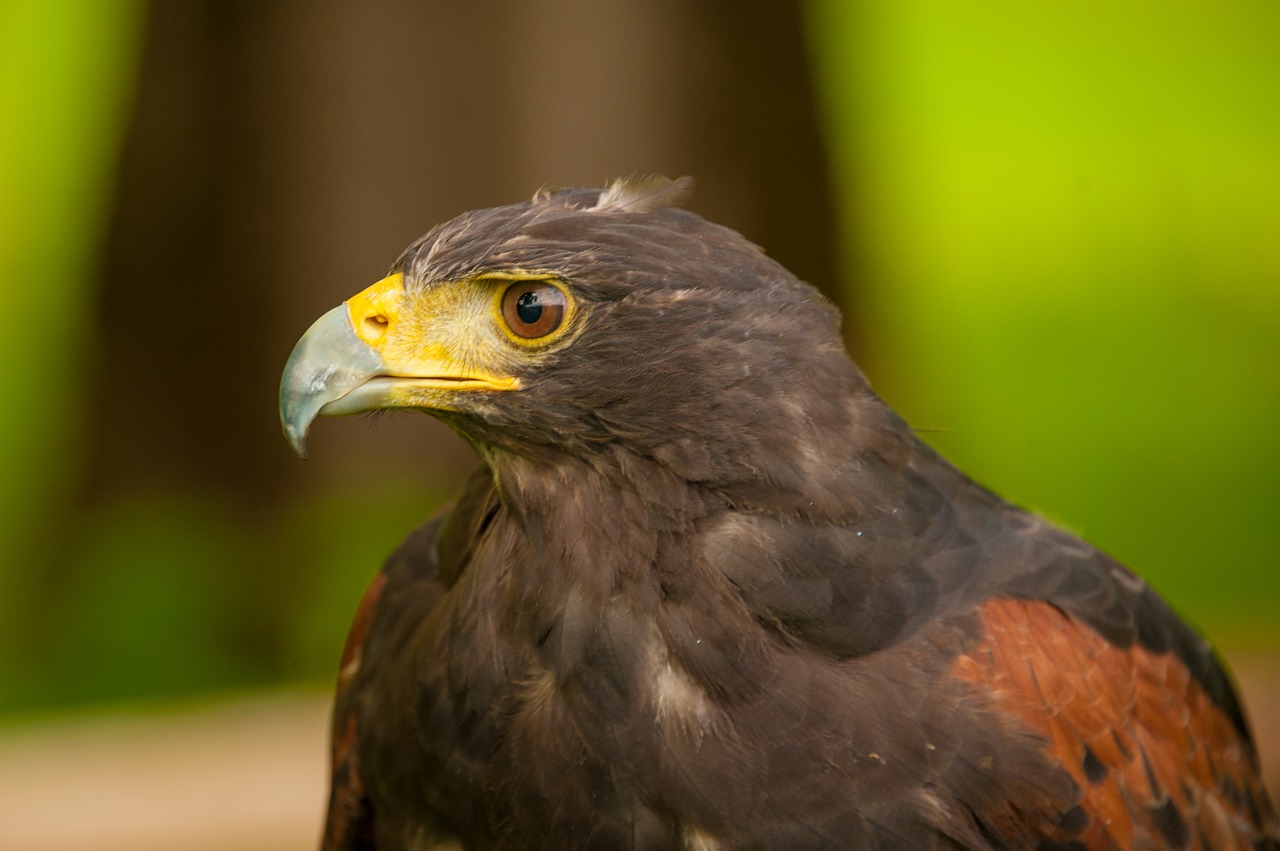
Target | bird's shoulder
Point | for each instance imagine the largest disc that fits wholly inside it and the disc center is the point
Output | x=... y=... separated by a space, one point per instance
x=1066 y=647
x=927 y=543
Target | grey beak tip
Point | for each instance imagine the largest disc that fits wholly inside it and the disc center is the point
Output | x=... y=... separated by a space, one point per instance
x=325 y=365
x=297 y=442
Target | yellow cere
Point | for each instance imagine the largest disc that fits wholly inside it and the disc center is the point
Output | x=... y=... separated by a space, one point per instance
x=374 y=309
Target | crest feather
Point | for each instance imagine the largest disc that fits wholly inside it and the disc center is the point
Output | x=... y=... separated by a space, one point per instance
x=640 y=194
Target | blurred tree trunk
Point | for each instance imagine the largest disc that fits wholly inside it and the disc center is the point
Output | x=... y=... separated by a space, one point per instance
x=281 y=154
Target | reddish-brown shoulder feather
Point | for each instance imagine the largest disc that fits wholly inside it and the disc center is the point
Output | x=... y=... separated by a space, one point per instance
x=348 y=826
x=1158 y=764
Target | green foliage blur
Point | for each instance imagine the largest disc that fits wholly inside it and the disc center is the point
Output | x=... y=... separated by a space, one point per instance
x=65 y=72
x=1062 y=225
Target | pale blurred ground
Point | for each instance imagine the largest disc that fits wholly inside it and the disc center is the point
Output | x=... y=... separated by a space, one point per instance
x=250 y=773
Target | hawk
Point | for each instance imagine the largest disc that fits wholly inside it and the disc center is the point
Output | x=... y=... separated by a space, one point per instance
x=707 y=591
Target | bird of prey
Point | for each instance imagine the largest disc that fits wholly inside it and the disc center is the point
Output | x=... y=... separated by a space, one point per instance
x=708 y=592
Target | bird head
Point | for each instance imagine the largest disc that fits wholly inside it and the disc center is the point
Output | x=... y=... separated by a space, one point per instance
x=580 y=322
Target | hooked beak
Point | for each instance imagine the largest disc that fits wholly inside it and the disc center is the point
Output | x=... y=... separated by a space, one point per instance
x=326 y=366
x=363 y=356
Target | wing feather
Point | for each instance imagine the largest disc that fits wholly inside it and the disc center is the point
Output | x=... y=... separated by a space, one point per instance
x=428 y=561
x=1158 y=763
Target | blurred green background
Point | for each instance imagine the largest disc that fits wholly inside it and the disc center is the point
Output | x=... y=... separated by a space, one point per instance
x=1054 y=228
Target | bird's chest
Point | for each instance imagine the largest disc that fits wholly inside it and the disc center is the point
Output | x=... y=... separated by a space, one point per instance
x=559 y=735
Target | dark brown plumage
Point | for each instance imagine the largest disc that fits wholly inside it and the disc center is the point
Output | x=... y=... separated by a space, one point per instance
x=709 y=592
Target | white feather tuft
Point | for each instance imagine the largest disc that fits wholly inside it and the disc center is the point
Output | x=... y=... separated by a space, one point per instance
x=638 y=194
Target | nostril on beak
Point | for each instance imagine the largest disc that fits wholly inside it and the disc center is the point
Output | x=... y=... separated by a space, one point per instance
x=374 y=326
x=371 y=312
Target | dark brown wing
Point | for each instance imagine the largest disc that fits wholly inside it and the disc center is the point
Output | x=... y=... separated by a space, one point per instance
x=1158 y=763
x=349 y=824
x=410 y=583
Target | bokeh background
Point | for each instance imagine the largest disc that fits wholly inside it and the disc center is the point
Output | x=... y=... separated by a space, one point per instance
x=1054 y=229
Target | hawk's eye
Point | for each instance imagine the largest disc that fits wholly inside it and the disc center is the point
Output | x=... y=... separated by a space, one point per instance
x=533 y=309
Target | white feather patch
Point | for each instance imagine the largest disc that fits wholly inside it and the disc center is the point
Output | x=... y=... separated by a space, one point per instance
x=637 y=194
x=696 y=840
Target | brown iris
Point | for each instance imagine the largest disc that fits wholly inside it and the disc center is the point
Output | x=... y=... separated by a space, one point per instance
x=533 y=309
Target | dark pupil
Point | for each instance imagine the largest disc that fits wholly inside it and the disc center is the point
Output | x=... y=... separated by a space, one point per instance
x=528 y=308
